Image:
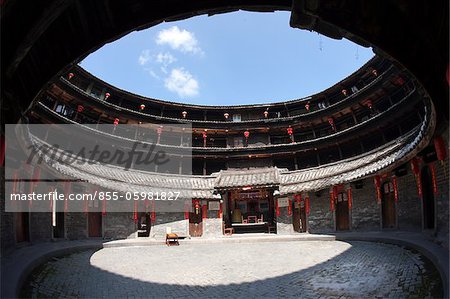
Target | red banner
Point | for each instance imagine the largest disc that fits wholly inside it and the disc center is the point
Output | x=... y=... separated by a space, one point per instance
x=332 y=200
x=277 y=208
x=135 y=211
x=433 y=178
x=350 y=197
x=395 y=185
x=377 y=182
x=219 y=214
x=290 y=207
x=204 y=211
x=419 y=185
x=153 y=215
x=307 y=206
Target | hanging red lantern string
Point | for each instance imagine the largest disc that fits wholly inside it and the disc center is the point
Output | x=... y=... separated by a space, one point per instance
x=331 y=122
x=184 y=114
x=277 y=208
x=369 y=104
x=107 y=95
x=204 y=135
x=266 y=114
x=70 y=75
x=307 y=106
x=141 y=107
x=307 y=205
x=66 y=195
x=246 y=135
x=116 y=122
x=395 y=185
x=350 y=197
x=204 y=211
x=344 y=92
x=377 y=182
x=226 y=115
x=80 y=108
x=433 y=177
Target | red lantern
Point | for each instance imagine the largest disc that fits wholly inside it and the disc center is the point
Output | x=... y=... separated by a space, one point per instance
x=399 y=81
x=433 y=178
x=107 y=95
x=344 y=92
x=307 y=106
x=70 y=75
x=395 y=185
x=441 y=149
x=80 y=108
x=226 y=115
x=204 y=135
x=377 y=182
x=159 y=130
x=184 y=114
x=374 y=72
x=116 y=121
x=266 y=114
x=369 y=104
x=289 y=131
x=246 y=134
x=197 y=207
x=142 y=107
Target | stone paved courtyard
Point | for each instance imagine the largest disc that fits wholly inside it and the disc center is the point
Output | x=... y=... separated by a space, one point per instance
x=307 y=269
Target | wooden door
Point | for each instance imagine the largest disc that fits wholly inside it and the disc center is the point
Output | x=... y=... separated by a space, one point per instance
x=195 y=220
x=95 y=224
x=388 y=206
x=22 y=234
x=342 y=214
x=299 y=216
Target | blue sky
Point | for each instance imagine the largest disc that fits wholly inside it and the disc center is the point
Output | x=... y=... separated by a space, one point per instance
x=228 y=59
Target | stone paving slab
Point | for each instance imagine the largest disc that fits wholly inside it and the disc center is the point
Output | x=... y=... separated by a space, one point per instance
x=309 y=269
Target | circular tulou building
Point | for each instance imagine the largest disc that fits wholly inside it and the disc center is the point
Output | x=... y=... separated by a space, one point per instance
x=367 y=154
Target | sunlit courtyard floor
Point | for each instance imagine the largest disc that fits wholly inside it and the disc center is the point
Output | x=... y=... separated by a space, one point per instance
x=307 y=269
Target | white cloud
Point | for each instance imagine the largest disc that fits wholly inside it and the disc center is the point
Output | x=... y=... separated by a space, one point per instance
x=177 y=39
x=144 y=58
x=165 y=59
x=182 y=82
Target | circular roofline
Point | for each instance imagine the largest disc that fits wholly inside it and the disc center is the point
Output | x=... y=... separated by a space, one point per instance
x=373 y=60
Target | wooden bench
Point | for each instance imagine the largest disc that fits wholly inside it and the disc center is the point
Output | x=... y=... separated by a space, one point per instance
x=172 y=239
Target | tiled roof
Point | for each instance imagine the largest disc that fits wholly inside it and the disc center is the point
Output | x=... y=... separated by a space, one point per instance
x=267 y=176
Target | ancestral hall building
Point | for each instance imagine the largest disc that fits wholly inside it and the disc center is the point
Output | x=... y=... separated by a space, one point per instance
x=364 y=154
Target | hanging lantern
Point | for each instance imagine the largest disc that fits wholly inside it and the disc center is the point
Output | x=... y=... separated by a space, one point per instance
x=197 y=207
x=107 y=95
x=289 y=131
x=350 y=197
x=395 y=185
x=266 y=114
x=377 y=182
x=307 y=106
x=159 y=130
x=70 y=76
x=116 y=121
x=204 y=135
x=141 y=107
x=80 y=108
x=433 y=178
x=440 y=148
x=344 y=92
x=226 y=115
x=184 y=114
x=331 y=122
x=246 y=134
x=374 y=72
x=369 y=104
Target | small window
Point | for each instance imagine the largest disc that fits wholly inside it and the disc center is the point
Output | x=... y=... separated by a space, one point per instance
x=236 y=117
